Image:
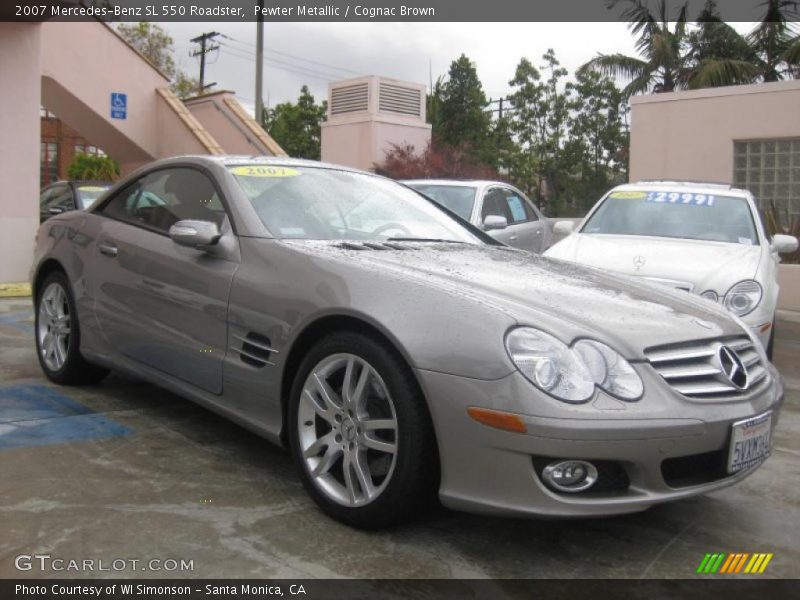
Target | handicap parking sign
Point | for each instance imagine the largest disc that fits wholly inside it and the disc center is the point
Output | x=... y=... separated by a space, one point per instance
x=119 y=105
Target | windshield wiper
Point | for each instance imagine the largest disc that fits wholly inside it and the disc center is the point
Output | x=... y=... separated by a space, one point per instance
x=420 y=239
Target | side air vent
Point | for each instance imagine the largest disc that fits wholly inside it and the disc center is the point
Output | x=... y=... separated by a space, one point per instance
x=350 y=98
x=254 y=350
x=399 y=99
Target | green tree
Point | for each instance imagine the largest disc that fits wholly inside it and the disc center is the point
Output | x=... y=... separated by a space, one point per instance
x=93 y=166
x=296 y=127
x=540 y=121
x=776 y=42
x=704 y=54
x=460 y=117
x=156 y=45
x=598 y=140
x=718 y=53
x=662 y=62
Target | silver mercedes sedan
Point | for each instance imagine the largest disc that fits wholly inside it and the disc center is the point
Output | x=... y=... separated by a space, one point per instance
x=399 y=352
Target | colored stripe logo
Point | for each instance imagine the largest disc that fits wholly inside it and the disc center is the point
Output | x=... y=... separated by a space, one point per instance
x=737 y=562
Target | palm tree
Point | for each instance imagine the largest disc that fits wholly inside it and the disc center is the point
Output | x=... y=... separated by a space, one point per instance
x=775 y=42
x=662 y=64
x=710 y=54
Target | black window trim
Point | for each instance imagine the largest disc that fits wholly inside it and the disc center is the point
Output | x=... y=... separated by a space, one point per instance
x=98 y=210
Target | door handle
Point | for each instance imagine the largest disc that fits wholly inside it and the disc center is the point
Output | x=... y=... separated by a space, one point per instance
x=513 y=238
x=538 y=232
x=107 y=249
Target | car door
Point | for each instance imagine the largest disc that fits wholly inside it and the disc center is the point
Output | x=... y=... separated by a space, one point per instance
x=494 y=203
x=158 y=303
x=532 y=230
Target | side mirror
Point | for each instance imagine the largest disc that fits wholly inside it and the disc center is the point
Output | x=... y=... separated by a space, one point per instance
x=194 y=234
x=56 y=210
x=784 y=244
x=563 y=227
x=492 y=222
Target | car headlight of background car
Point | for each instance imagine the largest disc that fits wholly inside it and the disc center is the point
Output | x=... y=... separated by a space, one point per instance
x=743 y=297
x=572 y=373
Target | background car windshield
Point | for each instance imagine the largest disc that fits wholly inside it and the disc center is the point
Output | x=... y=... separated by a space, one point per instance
x=675 y=215
x=87 y=194
x=327 y=204
x=458 y=198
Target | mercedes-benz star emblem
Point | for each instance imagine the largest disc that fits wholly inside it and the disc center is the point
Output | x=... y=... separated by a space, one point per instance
x=638 y=261
x=732 y=367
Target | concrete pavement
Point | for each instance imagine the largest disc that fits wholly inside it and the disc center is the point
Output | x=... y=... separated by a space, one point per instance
x=135 y=473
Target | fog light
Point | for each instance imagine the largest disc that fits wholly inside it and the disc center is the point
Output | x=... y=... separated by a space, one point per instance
x=570 y=475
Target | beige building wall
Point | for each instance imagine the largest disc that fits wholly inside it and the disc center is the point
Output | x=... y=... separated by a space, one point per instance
x=361 y=137
x=20 y=92
x=690 y=134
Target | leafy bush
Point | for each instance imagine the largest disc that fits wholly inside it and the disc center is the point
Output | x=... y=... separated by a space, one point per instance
x=93 y=166
x=436 y=161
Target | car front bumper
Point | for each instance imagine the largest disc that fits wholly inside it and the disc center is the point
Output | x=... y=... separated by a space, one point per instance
x=492 y=471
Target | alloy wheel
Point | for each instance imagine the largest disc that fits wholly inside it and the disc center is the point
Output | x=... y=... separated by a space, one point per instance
x=53 y=328
x=347 y=429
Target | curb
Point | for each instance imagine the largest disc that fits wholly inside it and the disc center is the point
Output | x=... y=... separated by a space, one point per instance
x=15 y=290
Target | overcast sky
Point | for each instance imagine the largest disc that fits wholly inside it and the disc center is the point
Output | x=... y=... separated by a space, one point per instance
x=317 y=53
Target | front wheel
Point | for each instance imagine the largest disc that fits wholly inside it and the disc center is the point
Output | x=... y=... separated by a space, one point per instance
x=58 y=335
x=360 y=433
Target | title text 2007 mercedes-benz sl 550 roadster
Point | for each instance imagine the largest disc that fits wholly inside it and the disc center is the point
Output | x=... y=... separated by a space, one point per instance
x=398 y=351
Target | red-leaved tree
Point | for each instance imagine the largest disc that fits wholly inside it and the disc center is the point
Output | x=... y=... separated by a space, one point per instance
x=440 y=161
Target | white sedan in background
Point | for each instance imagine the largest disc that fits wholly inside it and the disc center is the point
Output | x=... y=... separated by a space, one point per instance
x=706 y=239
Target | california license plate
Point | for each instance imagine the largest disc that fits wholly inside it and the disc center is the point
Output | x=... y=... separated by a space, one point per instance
x=751 y=442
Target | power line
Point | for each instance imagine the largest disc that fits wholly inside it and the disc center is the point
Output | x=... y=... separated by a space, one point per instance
x=240 y=53
x=292 y=56
x=204 y=39
x=278 y=64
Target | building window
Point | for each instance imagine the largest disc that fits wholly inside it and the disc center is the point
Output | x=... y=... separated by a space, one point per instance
x=770 y=169
x=87 y=149
x=48 y=163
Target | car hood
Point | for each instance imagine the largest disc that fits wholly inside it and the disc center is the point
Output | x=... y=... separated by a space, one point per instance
x=706 y=265
x=569 y=300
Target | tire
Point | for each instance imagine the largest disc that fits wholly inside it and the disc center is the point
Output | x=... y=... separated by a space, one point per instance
x=384 y=488
x=58 y=335
x=771 y=343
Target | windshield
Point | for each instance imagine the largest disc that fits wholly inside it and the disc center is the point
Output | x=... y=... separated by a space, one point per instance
x=87 y=194
x=672 y=214
x=326 y=204
x=457 y=198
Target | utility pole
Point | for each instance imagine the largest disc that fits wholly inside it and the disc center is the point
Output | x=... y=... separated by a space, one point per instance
x=205 y=48
x=260 y=63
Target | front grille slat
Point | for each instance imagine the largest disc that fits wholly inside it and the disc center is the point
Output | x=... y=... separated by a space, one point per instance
x=693 y=369
x=686 y=372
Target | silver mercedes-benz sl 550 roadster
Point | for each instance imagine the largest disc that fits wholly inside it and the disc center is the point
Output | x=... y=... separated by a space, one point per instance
x=398 y=351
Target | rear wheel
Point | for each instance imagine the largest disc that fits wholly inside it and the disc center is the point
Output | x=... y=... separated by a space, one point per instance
x=58 y=335
x=360 y=433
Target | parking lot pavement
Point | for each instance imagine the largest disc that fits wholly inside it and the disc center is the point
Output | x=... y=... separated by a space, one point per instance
x=123 y=470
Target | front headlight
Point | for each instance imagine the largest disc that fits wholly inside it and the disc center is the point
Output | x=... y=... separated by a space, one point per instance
x=743 y=297
x=610 y=370
x=571 y=374
x=549 y=364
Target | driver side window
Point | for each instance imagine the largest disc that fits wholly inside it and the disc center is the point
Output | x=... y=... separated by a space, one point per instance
x=161 y=198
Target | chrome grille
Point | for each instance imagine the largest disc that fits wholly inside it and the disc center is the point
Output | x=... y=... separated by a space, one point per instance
x=695 y=369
